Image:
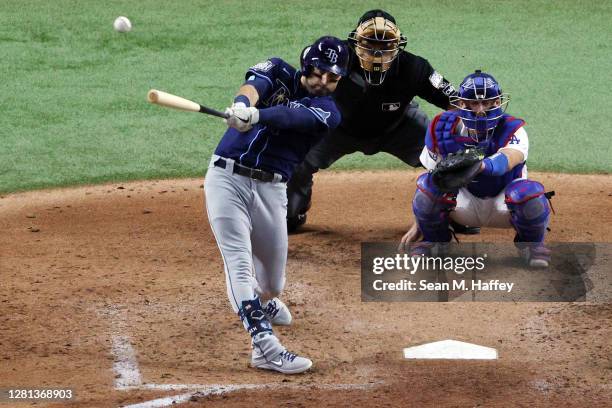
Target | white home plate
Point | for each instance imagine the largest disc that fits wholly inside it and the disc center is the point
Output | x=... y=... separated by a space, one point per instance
x=450 y=350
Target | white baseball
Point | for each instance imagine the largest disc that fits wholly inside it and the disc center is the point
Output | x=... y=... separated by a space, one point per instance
x=122 y=24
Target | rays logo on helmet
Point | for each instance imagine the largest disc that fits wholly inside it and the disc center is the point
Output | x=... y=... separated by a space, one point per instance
x=331 y=55
x=327 y=54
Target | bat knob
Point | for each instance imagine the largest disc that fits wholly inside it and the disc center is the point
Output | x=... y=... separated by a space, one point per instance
x=152 y=95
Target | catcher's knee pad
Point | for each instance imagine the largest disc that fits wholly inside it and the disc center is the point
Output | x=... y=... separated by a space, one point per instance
x=529 y=209
x=254 y=318
x=431 y=209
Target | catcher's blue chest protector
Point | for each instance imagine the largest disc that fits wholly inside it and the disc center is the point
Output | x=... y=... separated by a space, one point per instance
x=443 y=137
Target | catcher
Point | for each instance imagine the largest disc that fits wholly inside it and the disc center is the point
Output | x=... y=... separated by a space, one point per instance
x=476 y=155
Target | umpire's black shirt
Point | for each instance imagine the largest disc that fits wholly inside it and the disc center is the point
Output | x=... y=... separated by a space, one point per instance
x=368 y=111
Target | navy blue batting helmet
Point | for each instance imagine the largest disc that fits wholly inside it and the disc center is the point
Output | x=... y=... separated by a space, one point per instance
x=329 y=54
x=480 y=87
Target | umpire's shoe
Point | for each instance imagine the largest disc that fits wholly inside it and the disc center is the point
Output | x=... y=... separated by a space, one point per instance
x=293 y=223
x=277 y=312
x=269 y=354
x=297 y=206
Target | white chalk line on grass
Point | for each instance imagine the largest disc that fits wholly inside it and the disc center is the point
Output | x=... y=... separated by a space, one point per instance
x=201 y=390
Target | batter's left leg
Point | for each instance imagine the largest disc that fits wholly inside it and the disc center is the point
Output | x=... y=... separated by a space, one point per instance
x=269 y=240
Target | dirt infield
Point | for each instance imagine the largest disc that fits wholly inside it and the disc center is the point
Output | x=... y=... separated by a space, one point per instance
x=112 y=289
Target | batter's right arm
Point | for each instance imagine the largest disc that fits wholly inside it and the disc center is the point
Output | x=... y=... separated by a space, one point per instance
x=249 y=92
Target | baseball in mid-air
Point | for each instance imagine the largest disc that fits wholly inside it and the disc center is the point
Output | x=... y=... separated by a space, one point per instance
x=122 y=24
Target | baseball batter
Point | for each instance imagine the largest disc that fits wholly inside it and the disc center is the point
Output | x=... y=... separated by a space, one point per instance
x=278 y=114
x=499 y=194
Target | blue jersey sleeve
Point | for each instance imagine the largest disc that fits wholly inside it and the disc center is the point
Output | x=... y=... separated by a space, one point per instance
x=261 y=76
x=326 y=111
x=269 y=75
x=306 y=115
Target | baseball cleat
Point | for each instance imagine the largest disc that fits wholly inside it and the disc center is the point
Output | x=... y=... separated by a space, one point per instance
x=269 y=354
x=277 y=312
x=427 y=249
x=537 y=256
x=286 y=362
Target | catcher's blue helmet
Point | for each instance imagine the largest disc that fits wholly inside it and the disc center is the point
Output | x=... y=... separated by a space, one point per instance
x=329 y=54
x=480 y=87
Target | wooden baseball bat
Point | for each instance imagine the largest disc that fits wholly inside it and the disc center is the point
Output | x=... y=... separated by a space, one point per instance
x=176 y=102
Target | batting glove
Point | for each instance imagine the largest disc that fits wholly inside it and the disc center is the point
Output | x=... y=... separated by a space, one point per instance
x=249 y=116
x=233 y=121
x=240 y=117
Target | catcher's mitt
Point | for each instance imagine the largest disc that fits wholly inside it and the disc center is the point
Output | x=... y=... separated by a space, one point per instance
x=457 y=170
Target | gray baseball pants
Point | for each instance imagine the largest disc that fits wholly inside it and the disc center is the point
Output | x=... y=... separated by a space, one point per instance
x=248 y=220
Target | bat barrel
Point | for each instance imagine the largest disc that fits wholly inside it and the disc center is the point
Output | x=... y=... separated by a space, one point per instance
x=176 y=102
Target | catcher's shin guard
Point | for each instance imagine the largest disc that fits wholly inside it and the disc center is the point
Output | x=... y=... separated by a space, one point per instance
x=299 y=193
x=529 y=209
x=431 y=209
x=254 y=318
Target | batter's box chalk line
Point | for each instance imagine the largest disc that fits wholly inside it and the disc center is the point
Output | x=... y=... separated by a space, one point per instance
x=200 y=391
x=128 y=377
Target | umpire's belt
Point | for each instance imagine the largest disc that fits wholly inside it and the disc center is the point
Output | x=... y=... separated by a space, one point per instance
x=256 y=174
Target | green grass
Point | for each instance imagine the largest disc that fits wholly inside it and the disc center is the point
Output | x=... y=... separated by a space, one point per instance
x=73 y=94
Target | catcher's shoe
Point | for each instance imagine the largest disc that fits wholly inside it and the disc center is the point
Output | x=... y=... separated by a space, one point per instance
x=464 y=229
x=277 y=312
x=269 y=354
x=536 y=254
x=421 y=248
x=426 y=248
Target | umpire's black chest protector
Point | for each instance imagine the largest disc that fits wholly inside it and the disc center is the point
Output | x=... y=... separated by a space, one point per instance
x=368 y=110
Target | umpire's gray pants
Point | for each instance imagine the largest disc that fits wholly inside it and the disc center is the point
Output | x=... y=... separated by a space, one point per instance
x=248 y=220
